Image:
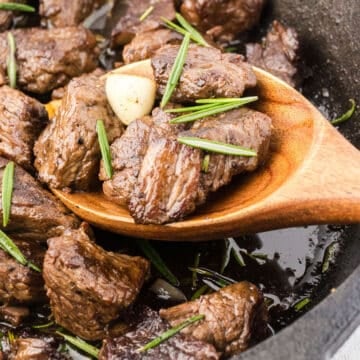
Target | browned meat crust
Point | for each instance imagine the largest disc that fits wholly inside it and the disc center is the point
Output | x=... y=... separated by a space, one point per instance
x=222 y=20
x=151 y=326
x=232 y=315
x=49 y=58
x=23 y=118
x=67 y=152
x=35 y=213
x=277 y=54
x=129 y=25
x=63 y=13
x=87 y=286
x=207 y=73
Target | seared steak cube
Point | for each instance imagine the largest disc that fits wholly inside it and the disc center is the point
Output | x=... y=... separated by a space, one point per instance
x=150 y=327
x=87 y=286
x=207 y=73
x=23 y=118
x=49 y=58
x=35 y=213
x=232 y=315
x=68 y=152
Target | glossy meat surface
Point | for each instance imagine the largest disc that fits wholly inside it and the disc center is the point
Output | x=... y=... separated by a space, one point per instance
x=207 y=73
x=49 y=58
x=178 y=347
x=23 y=119
x=277 y=54
x=68 y=152
x=35 y=213
x=222 y=19
x=232 y=315
x=87 y=286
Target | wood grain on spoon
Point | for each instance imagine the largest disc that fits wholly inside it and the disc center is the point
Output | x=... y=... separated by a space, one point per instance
x=312 y=177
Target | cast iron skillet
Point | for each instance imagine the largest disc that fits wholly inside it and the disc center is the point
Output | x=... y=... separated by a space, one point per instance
x=330 y=41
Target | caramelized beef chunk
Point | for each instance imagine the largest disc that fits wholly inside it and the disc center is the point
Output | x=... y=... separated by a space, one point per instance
x=151 y=326
x=68 y=152
x=144 y=45
x=14 y=315
x=277 y=54
x=23 y=118
x=232 y=315
x=87 y=286
x=63 y=13
x=207 y=73
x=161 y=180
x=130 y=24
x=18 y=283
x=49 y=58
x=222 y=19
x=35 y=213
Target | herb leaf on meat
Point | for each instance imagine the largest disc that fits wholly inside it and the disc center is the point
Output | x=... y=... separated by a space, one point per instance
x=146 y=13
x=11 y=61
x=81 y=344
x=104 y=147
x=7 y=191
x=195 y=35
x=11 y=6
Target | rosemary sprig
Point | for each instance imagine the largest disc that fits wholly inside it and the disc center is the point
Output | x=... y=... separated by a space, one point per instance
x=170 y=333
x=7 y=191
x=43 y=326
x=104 y=147
x=11 y=6
x=10 y=247
x=224 y=280
x=176 y=70
x=301 y=304
x=11 y=61
x=146 y=13
x=195 y=35
x=199 y=292
x=157 y=261
x=243 y=100
x=213 y=108
x=196 y=265
x=189 y=109
x=347 y=115
x=81 y=344
x=216 y=146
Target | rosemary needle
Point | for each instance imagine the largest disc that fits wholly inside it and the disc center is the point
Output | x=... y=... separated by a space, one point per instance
x=11 y=6
x=146 y=13
x=11 y=61
x=81 y=344
x=193 y=32
x=347 y=115
x=176 y=70
x=104 y=147
x=7 y=191
x=244 y=100
x=170 y=333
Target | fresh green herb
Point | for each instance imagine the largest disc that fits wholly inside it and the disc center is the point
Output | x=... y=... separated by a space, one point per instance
x=199 y=292
x=218 y=106
x=170 y=333
x=242 y=101
x=176 y=71
x=196 y=265
x=216 y=146
x=214 y=284
x=43 y=326
x=231 y=247
x=190 y=108
x=11 y=6
x=104 y=147
x=11 y=60
x=157 y=261
x=146 y=13
x=10 y=247
x=329 y=256
x=7 y=191
x=205 y=163
x=347 y=115
x=81 y=344
x=223 y=280
x=11 y=336
x=195 y=35
x=301 y=304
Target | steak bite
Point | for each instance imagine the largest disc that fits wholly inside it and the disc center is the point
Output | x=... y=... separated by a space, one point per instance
x=87 y=286
x=150 y=327
x=14 y=315
x=23 y=118
x=207 y=73
x=63 y=13
x=145 y=44
x=68 y=152
x=48 y=58
x=130 y=24
x=232 y=315
x=222 y=19
x=18 y=283
x=277 y=54
x=35 y=213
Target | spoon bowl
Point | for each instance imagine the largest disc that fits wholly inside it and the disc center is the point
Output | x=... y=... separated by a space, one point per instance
x=312 y=177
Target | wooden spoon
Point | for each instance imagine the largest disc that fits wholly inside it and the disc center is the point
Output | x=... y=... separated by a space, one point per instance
x=312 y=177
